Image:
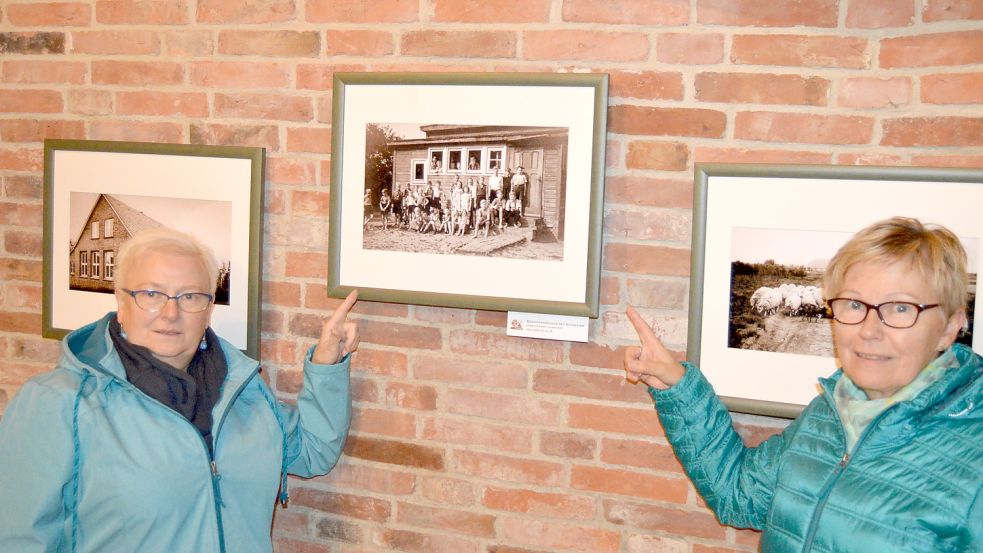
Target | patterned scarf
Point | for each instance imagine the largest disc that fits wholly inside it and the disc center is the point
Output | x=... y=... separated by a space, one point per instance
x=192 y=393
x=857 y=411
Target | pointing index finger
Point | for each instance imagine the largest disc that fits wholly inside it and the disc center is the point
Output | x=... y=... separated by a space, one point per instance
x=341 y=312
x=645 y=332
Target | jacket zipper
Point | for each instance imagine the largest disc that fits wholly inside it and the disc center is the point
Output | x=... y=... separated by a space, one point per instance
x=213 y=470
x=213 y=465
x=824 y=496
x=833 y=478
x=216 y=492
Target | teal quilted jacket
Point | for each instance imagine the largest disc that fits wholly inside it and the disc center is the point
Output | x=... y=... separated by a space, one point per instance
x=912 y=484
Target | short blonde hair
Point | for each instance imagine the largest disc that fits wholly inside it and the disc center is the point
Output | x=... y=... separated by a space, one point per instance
x=932 y=250
x=164 y=239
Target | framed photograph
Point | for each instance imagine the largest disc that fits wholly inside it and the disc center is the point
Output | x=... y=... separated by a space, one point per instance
x=506 y=214
x=762 y=237
x=99 y=193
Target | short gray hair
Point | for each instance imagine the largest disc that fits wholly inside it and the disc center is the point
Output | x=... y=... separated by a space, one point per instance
x=164 y=239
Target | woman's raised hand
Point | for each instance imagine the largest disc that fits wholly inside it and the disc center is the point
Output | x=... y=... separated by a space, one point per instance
x=651 y=363
x=338 y=336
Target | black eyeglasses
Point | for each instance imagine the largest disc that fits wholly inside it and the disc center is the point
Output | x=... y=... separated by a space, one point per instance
x=152 y=300
x=895 y=314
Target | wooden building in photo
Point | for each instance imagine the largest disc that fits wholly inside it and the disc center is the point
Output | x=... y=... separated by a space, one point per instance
x=449 y=152
x=93 y=255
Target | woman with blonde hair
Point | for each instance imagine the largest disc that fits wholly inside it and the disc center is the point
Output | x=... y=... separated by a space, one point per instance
x=887 y=457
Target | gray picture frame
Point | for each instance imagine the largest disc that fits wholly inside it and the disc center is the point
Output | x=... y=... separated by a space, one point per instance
x=228 y=178
x=403 y=101
x=815 y=199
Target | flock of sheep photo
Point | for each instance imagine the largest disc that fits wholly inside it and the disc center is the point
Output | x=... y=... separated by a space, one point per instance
x=793 y=300
x=780 y=308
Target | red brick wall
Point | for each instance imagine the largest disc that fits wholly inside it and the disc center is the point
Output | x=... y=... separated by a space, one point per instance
x=465 y=440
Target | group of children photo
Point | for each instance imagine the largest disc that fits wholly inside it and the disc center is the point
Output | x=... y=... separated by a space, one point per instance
x=467 y=207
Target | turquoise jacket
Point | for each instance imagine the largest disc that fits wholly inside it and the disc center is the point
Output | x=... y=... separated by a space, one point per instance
x=912 y=483
x=88 y=463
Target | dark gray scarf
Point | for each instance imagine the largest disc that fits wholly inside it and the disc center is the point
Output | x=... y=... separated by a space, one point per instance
x=192 y=393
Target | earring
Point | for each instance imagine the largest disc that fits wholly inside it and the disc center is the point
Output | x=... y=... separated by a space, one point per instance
x=123 y=334
x=204 y=343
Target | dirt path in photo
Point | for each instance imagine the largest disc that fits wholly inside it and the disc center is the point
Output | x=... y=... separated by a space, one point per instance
x=794 y=335
x=402 y=240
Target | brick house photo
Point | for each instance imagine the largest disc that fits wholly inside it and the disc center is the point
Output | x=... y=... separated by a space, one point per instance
x=108 y=224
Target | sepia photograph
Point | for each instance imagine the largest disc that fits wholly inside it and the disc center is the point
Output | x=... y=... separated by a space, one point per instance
x=101 y=222
x=495 y=208
x=506 y=201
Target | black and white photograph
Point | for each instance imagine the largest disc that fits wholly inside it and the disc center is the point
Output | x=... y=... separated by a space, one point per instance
x=508 y=203
x=762 y=238
x=101 y=222
x=476 y=190
x=777 y=302
x=99 y=193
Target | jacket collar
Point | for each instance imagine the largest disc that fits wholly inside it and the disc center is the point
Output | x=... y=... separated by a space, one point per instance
x=959 y=393
x=90 y=349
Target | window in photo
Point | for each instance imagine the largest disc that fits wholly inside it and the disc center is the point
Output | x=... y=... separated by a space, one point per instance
x=436 y=161
x=96 y=263
x=109 y=263
x=454 y=159
x=107 y=228
x=474 y=160
x=495 y=158
x=84 y=264
x=419 y=170
x=94 y=233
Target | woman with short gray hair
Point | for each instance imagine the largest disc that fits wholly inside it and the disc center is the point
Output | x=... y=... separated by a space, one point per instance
x=153 y=434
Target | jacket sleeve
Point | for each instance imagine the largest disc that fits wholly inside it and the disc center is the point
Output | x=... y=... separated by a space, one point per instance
x=736 y=481
x=36 y=460
x=318 y=426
